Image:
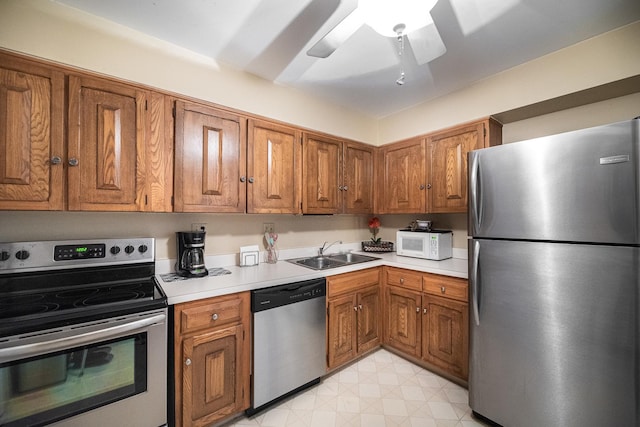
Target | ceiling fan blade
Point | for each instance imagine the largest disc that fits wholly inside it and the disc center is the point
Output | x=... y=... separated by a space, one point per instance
x=275 y=58
x=426 y=44
x=338 y=35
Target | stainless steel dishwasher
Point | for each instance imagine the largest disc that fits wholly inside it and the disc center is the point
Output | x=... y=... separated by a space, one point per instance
x=289 y=340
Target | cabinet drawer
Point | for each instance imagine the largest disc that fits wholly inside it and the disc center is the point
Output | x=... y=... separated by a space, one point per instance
x=349 y=282
x=211 y=313
x=404 y=278
x=449 y=287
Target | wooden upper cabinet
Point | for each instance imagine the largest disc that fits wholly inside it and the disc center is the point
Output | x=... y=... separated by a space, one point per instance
x=448 y=166
x=401 y=179
x=322 y=174
x=210 y=167
x=106 y=149
x=31 y=136
x=357 y=191
x=274 y=172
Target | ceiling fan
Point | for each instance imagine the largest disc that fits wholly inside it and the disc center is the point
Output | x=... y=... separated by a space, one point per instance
x=401 y=19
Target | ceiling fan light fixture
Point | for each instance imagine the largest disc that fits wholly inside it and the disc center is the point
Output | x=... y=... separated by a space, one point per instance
x=384 y=15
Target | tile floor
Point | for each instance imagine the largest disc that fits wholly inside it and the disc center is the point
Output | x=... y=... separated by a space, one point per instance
x=381 y=389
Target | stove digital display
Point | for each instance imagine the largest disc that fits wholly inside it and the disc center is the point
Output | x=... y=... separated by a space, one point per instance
x=67 y=252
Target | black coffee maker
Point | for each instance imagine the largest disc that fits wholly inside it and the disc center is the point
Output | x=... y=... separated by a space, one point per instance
x=190 y=245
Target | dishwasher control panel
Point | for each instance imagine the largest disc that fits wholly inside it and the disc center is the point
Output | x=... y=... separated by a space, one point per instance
x=277 y=296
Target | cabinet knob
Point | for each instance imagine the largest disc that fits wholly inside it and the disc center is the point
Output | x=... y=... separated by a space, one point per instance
x=340 y=187
x=251 y=180
x=424 y=310
x=402 y=280
x=428 y=186
x=355 y=308
x=345 y=188
x=422 y=186
x=417 y=309
x=187 y=362
x=443 y=289
x=215 y=316
x=56 y=160
x=243 y=179
x=360 y=307
x=73 y=161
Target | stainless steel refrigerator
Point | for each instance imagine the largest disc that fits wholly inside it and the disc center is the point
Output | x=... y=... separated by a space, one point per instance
x=554 y=263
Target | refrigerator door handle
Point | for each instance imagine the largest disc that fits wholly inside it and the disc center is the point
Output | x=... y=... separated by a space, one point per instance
x=475 y=190
x=475 y=282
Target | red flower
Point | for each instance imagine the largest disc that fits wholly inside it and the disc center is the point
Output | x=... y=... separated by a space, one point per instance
x=374 y=222
x=374 y=225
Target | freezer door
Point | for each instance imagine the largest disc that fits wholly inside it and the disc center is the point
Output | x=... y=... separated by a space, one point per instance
x=580 y=186
x=554 y=334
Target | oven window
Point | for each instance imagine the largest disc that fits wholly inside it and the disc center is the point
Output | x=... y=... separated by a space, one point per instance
x=44 y=389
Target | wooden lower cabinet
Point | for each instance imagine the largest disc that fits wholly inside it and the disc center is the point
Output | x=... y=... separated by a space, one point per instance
x=428 y=320
x=446 y=342
x=212 y=359
x=403 y=325
x=353 y=315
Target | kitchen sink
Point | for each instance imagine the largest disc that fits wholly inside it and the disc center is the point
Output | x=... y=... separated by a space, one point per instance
x=323 y=262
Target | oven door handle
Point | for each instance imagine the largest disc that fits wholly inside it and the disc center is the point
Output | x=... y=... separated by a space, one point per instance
x=38 y=348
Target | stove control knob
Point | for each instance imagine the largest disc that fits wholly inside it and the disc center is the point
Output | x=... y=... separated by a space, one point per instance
x=129 y=249
x=22 y=255
x=142 y=248
x=115 y=250
x=4 y=255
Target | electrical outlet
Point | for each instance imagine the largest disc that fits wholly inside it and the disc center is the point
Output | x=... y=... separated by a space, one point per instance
x=268 y=227
x=199 y=226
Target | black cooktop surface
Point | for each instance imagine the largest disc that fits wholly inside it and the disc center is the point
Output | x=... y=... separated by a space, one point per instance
x=42 y=300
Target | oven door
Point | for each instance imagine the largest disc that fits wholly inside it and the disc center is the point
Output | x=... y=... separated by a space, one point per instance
x=102 y=373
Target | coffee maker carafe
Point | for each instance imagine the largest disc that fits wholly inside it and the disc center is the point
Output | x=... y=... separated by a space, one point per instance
x=190 y=245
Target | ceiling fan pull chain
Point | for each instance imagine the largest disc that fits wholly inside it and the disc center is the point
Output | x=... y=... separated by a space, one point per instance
x=399 y=29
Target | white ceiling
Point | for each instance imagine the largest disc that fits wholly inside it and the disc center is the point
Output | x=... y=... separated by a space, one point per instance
x=270 y=38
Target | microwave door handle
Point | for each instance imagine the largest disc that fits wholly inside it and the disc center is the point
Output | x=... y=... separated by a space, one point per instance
x=39 y=348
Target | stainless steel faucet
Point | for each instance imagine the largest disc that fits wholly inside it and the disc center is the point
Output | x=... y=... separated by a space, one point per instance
x=324 y=247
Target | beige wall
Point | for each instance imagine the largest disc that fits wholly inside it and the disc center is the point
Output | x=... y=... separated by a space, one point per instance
x=46 y=29
x=225 y=232
x=596 y=114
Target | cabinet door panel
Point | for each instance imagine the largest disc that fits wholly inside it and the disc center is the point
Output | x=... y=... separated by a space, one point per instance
x=448 y=153
x=212 y=384
x=210 y=154
x=273 y=164
x=321 y=175
x=342 y=330
x=368 y=319
x=31 y=120
x=358 y=178
x=446 y=342
x=403 y=177
x=106 y=139
x=403 y=325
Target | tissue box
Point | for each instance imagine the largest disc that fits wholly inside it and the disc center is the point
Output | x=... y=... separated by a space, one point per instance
x=249 y=255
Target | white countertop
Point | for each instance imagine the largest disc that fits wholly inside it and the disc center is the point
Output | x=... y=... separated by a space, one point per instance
x=264 y=275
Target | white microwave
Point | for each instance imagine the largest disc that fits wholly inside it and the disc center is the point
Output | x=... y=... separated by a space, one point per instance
x=434 y=244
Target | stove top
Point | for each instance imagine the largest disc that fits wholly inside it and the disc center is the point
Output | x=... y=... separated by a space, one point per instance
x=61 y=283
